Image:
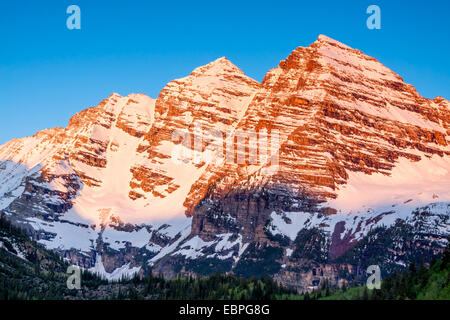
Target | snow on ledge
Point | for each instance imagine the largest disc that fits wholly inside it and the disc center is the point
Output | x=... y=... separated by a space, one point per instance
x=123 y=272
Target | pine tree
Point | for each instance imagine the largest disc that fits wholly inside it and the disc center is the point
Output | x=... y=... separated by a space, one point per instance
x=365 y=295
x=412 y=268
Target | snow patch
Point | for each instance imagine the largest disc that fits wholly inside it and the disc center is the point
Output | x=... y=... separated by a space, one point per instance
x=123 y=272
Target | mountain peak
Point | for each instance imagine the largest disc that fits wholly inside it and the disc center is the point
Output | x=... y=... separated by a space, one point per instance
x=114 y=95
x=219 y=66
x=323 y=39
x=221 y=60
x=440 y=99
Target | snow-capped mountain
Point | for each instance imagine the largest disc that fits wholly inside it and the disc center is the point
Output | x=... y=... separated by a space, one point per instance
x=353 y=153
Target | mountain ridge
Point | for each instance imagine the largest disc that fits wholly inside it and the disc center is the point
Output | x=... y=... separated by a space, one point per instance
x=107 y=192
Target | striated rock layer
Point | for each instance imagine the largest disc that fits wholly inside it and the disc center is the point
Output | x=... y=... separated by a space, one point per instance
x=300 y=177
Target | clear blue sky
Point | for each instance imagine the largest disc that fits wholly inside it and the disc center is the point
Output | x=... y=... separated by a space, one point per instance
x=48 y=73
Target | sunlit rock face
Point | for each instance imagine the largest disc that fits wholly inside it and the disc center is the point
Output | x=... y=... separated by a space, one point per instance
x=353 y=155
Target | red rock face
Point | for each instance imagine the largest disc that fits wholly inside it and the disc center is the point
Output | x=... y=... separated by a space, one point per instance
x=336 y=111
x=356 y=118
x=214 y=96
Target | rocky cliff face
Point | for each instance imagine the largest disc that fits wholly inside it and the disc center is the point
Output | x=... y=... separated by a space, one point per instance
x=292 y=177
